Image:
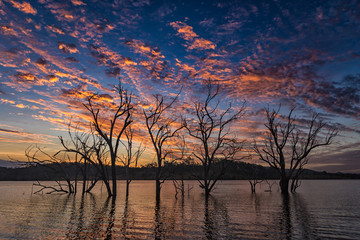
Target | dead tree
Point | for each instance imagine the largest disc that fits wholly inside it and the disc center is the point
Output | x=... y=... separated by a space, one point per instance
x=92 y=150
x=130 y=157
x=80 y=143
x=270 y=185
x=57 y=165
x=179 y=157
x=295 y=181
x=210 y=127
x=161 y=129
x=255 y=177
x=287 y=146
x=111 y=123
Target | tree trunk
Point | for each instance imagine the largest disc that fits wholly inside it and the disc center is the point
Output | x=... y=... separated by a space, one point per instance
x=207 y=190
x=127 y=187
x=127 y=179
x=182 y=188
x=157 y=180
x=107 y=185
x=113 y=175
x=158 y=188
x=84 y=177
x=284 y=184
x=92 y=185
x=206 y=182
x=252 y=187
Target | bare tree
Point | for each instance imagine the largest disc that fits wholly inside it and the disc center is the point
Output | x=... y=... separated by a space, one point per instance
x=56 y=164
x=161 y=129
x=286 y=147
x=112 y=130
x=179 y=158
x=131 y=156
x=211 y=128
x=295 y=181
x=255 y=177
x=92 y=150
x=270 y=185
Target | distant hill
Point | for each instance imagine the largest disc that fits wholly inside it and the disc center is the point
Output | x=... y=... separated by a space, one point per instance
x=9 y=164
x=11 y=171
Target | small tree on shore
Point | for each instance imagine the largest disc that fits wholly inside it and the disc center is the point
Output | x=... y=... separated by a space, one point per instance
x=286 y=146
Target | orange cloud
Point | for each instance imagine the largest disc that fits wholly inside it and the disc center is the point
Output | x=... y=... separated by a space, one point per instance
x=52 y=78
x=68 y=48
x=194 y=42
x=144 y=49
x=184 y=30
x=24 y=7
x=62 y=14
x=20 y=105
x=129 y=62
x=201 y=44
x=6 y=101
x=55 y=30
x=25 y=76
x=49 y=119
x=77 y=2
x=8 y=30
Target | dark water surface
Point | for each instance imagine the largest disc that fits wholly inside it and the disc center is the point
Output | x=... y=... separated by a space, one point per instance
x=320 y=210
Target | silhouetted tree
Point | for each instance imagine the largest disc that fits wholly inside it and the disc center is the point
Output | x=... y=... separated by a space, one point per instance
x=56 y=164
x=211 y=128
x=92 y=151
x=130 y=156
x=179 y=157
x=255 y=177
x=295 y=181
x=160 y=129
x=111 y=124
x=286 y=147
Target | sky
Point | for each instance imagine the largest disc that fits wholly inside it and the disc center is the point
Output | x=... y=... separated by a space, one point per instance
x=55 y=54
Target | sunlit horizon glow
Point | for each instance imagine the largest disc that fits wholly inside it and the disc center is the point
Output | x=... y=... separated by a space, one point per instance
x=55 y=54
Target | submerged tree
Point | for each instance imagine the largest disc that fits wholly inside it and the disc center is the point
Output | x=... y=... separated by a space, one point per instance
x=59 y=165
x=131 y=155
x=287 y=146
x=161 y=129
x=111 y=124
x=210 y=127
x=91 y=149
x=179 y=161
x=255 y=178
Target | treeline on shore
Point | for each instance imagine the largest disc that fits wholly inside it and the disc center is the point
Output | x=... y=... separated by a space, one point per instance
x=234 y=171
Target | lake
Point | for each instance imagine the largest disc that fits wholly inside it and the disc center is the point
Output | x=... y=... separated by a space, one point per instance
x=322 y=209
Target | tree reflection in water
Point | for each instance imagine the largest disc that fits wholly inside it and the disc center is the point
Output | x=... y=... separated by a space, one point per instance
x=285 y=220
x=294 y=213
x=127 y=219
x=216 y=218
x=226 y=214
x=88 y=220
x=111 y=219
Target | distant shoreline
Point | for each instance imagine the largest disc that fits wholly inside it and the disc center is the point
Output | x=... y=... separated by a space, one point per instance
x=239 y=171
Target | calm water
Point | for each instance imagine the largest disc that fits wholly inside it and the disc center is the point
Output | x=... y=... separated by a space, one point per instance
x=320 y=210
